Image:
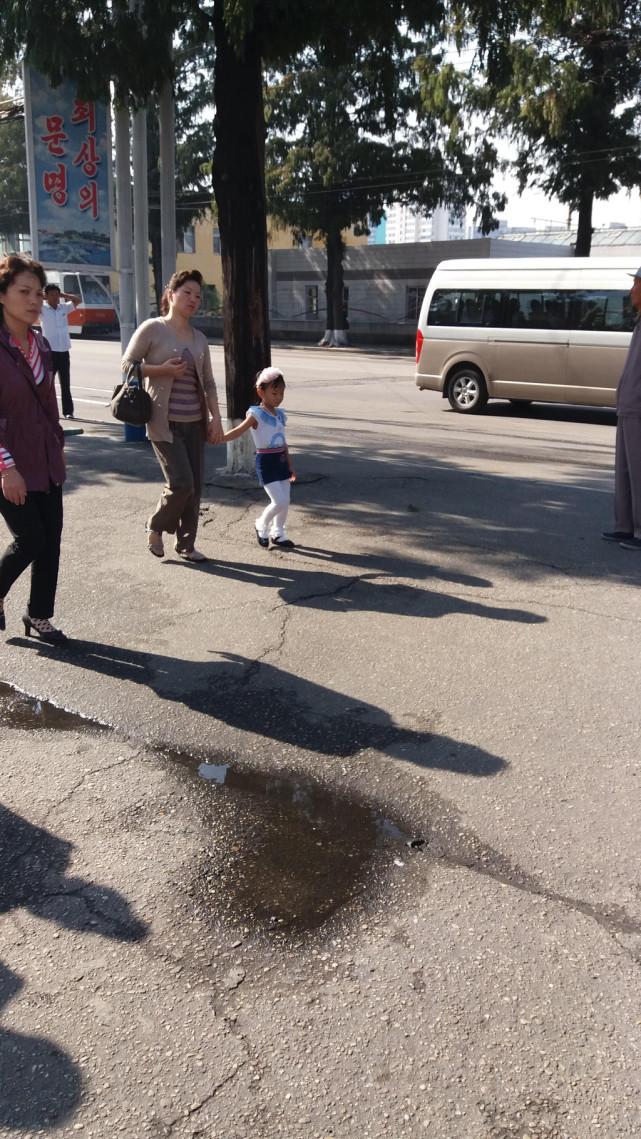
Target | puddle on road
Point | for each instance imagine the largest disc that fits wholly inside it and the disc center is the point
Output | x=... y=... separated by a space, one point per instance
x=288 y=852
x=18 y=710
x=283 y=853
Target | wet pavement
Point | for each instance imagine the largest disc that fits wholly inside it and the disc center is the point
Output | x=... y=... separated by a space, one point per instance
x=213 y=925
x=288 y=853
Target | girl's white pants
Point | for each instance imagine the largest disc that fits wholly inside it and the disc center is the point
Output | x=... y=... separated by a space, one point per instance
x=271 y=523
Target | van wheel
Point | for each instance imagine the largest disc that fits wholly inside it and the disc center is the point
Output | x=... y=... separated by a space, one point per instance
x=466 y=390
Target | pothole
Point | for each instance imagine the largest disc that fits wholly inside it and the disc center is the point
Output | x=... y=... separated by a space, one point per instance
x=287 y=853
x=282 y=853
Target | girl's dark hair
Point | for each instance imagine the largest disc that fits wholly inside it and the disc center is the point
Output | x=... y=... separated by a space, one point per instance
x=15 y=263
x=175 y=282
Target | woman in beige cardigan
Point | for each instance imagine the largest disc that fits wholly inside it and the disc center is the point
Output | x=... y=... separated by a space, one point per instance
x=178 y=376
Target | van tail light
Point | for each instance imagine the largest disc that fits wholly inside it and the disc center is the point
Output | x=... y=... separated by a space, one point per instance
x=419 y=344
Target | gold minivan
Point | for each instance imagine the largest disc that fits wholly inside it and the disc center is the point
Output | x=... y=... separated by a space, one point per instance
x=524 y=329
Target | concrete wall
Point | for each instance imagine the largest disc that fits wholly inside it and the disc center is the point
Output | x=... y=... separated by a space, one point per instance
x=378 y=278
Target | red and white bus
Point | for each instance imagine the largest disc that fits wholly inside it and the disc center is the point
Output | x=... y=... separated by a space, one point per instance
x=97 y=312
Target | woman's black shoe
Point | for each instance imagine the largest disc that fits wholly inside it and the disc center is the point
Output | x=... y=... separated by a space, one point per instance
x=45 y=630
x=283 y=543
x=264 y=542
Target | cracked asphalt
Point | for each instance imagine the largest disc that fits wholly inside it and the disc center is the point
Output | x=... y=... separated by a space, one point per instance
x=212 y=922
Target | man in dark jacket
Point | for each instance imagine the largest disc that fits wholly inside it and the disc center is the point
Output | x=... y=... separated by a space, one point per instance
x=627 y=463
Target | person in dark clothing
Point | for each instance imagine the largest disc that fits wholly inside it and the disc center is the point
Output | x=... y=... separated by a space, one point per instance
x=32 y=465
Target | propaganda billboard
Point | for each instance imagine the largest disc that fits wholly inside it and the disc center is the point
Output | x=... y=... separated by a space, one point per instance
x=69 y=170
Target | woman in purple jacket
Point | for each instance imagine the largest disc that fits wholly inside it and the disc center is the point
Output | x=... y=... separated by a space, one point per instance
x=32 y=465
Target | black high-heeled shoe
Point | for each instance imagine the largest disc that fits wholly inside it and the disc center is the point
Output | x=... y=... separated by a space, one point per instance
x=45 y=630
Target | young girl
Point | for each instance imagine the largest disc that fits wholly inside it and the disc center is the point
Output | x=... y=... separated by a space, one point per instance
x=267 y=425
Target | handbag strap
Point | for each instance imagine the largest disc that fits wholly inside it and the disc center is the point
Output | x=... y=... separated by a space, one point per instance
x=134 y=371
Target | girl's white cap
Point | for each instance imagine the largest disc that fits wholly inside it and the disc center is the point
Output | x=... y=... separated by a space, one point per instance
x=268 y=375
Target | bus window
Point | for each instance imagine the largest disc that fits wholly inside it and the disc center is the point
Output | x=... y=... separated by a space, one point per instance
x=70 y=283
x=93 y=291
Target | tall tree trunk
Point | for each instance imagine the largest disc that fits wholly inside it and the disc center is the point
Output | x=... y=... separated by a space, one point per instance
x=239 y=187
x=584 y=228
x=336 y=330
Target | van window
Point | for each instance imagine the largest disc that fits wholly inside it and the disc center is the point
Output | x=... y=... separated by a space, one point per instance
x=535 y=308
x=444 y=307
x=566 y=309
x=466 y=307
x=470 y=308
x=608 y=310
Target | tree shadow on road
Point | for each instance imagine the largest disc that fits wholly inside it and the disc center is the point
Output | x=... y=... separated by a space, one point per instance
x=544 y=519
x=268 y=702
x=40 y=1085
x=383 y=488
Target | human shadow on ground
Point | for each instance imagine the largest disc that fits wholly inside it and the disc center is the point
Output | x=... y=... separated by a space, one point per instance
x=361 y=593
x=40 y=1085
x=392 y=565
x=267 y=701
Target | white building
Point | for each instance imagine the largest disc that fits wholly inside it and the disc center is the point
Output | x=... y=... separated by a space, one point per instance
x=404 y=224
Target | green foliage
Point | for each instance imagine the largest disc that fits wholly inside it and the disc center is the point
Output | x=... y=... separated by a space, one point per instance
x=344 y=140
x=211 y=305
x=449 y=123
x=14 y=204
x=565 y=88
x=335 y=148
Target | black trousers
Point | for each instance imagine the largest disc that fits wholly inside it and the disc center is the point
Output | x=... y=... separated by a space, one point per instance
x=36 y=528
x=62 y=366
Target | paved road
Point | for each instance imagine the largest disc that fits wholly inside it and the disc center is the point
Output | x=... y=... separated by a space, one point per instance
x=237 y=940
x=95 y=369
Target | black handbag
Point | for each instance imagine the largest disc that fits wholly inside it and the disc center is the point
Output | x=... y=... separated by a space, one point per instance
x=130 y=403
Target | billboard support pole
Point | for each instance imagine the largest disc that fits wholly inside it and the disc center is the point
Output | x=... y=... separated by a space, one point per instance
x=124 y=229
x=31 y=163
x=141 y=216
x=167 y=130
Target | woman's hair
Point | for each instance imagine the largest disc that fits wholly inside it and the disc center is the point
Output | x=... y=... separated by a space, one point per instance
x=15 y=263
x=175 y=282
x=269 y=376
